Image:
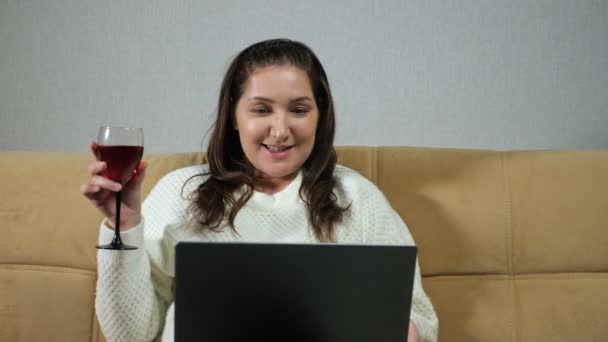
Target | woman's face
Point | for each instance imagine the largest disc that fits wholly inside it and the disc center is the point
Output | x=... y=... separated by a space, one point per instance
x=276 y=118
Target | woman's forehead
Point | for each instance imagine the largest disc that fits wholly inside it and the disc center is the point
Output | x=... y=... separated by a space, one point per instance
x=277 y=80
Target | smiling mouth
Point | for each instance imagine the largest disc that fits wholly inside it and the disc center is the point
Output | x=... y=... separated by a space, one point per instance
x=275 y=149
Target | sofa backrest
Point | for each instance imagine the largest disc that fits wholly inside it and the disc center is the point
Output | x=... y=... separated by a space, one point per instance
x=513 y=245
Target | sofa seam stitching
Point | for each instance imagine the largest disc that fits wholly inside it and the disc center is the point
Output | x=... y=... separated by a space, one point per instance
x=375 y=163
x=509 y=243
x=46 y=268
x=522 y=276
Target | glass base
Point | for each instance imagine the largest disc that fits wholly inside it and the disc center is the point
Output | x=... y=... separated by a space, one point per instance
x=117 y=247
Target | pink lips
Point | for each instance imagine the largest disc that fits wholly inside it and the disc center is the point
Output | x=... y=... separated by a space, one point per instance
x=280 y=153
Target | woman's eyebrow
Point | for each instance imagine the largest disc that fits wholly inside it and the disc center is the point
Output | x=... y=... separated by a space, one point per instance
x=261 y=98
x=302 y=98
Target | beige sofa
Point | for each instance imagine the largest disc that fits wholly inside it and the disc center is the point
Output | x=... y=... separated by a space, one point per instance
x=513 y=245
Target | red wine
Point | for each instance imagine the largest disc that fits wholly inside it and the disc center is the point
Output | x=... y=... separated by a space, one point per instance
x=121 y=161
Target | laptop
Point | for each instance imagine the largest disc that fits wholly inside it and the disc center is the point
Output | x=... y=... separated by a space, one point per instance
x=228 y=292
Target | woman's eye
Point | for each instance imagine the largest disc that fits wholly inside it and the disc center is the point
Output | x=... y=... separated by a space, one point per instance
x=261 y=110
x=300 y=110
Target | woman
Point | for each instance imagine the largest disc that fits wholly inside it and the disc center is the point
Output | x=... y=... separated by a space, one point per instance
x=271 y=177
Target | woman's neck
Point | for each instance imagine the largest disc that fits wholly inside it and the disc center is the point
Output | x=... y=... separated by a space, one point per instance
x=272 y=185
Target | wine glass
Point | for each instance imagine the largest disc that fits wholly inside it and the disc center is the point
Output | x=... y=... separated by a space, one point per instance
x=121 y=148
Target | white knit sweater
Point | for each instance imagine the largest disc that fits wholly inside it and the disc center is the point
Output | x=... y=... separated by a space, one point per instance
x=134 y=300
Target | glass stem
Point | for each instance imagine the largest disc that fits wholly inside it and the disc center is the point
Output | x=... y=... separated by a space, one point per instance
x=117 y=241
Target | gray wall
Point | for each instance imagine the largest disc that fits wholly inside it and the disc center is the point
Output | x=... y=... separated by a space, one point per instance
x=482 y=74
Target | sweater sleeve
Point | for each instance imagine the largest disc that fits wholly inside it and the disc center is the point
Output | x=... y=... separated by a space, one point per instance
x=388 y=228
x=135 y=288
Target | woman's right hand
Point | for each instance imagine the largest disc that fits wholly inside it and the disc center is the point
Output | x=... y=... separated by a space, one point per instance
x=101 y=193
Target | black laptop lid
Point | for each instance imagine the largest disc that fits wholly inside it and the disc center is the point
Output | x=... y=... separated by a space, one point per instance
x=228 y=292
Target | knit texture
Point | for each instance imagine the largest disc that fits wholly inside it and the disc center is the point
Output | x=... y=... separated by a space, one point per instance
x=134 y=300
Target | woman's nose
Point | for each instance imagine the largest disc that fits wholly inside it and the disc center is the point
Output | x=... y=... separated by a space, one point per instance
x=279 y=128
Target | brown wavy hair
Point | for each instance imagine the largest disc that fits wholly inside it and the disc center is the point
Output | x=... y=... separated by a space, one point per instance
x=218 y=197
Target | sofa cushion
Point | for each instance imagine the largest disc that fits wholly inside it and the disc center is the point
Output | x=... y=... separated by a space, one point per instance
x=42 y=303
x=559 y=207
x=45 y=219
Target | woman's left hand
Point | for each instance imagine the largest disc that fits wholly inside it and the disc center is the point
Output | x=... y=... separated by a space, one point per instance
x=412 y=335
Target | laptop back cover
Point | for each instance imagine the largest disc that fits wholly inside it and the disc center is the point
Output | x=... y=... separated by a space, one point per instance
x=292 y=292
